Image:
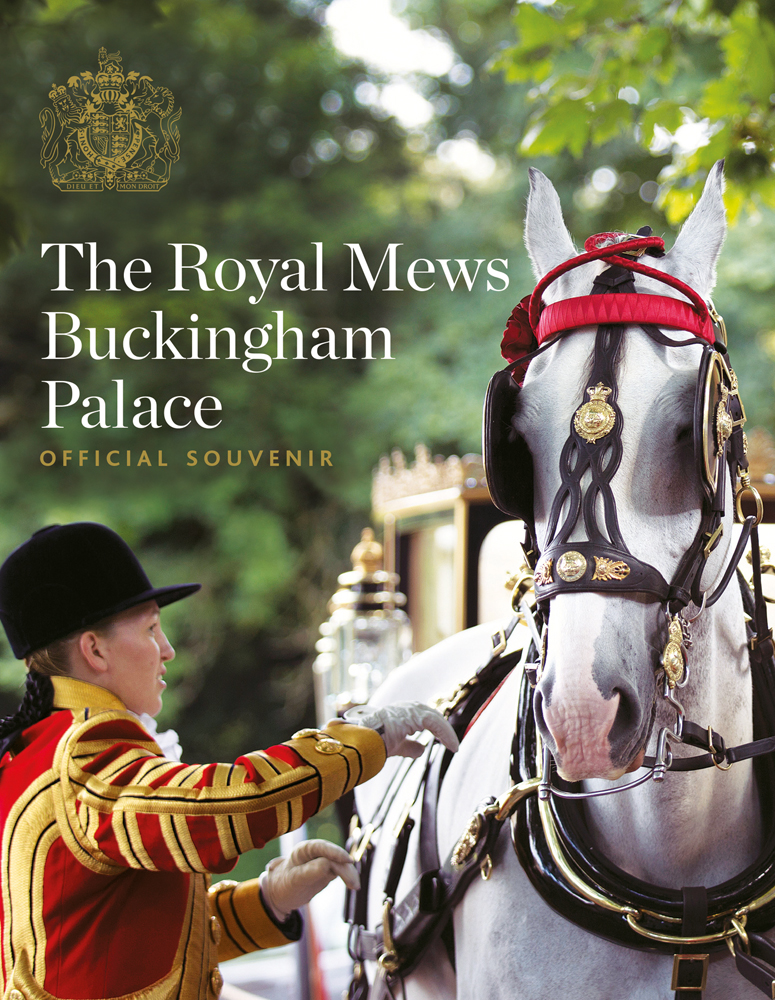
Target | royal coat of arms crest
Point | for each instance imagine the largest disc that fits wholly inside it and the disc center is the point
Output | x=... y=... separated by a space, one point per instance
x=111 y=131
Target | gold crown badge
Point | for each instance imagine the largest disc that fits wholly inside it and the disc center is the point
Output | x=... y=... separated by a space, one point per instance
x=596 y=418
x=113 y=131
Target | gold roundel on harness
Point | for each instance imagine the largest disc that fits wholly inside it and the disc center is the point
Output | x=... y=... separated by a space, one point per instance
x=571 y=566
x=673 y=658
x=596 y=418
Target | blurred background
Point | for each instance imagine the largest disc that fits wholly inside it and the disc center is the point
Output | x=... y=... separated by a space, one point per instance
x=338 y=122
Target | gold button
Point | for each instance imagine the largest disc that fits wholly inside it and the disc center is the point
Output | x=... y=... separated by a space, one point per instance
x=303 y=733
x=328 y=746
x=215 y=930
x=15 y=995
x=216 y=981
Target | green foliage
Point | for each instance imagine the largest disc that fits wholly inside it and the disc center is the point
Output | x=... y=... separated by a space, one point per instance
x=265 y=171
x=715 y=60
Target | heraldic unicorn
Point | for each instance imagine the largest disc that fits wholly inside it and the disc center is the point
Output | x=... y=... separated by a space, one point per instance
x=639 y=663
x=111 y=131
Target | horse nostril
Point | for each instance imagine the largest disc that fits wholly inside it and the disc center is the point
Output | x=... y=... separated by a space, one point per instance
x=626 y=722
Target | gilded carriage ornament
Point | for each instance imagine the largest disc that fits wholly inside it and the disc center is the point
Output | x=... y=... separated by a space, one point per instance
x=110 y=132
x=571 y=566
x=543 y=573
x=610 y=569
x=596 y=418
x=673 y=658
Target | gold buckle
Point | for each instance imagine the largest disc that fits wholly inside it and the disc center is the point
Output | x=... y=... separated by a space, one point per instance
x=712 y=539
x=677 y=959
x=714 y=752
x=718 y=319
x=498 y=642
x=357 y=851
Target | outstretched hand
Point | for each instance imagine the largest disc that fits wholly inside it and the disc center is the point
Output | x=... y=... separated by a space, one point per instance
x=288 y=883
x=396 y=723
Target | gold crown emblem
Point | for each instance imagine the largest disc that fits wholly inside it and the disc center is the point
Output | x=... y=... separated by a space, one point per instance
x=113 y=131
x=596 y=418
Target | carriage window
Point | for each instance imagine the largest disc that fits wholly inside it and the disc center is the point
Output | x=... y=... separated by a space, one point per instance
x=432 y=584
x=499 y=558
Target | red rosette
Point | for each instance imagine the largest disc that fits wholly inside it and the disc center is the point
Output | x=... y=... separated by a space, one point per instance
x=518 y=338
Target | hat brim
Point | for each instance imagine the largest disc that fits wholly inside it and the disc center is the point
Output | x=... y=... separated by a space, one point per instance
x=162 y=595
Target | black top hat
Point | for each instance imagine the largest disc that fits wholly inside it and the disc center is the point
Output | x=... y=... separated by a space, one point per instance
x=70 y=576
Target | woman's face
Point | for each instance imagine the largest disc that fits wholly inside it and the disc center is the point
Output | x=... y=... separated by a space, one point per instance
x=135 y=650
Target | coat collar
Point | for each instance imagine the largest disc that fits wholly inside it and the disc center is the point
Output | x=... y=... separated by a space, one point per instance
x=77 y=695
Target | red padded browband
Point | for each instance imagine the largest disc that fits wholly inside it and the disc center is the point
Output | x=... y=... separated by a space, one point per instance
x=587 y=310
x=626 y=307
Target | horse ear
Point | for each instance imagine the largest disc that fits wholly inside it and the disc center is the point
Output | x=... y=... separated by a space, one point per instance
x=547 y=240
x=696 y=250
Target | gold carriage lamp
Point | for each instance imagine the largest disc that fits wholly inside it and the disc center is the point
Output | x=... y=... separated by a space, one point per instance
x=367 y=635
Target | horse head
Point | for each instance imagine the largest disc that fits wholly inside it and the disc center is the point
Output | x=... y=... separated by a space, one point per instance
x=617 y=516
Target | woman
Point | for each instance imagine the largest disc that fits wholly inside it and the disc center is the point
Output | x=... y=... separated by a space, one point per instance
x=107 y=844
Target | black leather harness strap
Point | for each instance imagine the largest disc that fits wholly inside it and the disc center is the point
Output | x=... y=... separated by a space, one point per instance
x=690 y=964
x=423 y=914
x=758 y=965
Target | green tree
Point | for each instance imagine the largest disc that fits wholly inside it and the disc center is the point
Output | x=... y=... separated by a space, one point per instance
x=691 y=80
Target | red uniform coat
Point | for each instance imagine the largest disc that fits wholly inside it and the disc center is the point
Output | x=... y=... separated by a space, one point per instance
x=107 y=848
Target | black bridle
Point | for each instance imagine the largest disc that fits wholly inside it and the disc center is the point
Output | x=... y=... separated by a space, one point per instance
x=548 y=827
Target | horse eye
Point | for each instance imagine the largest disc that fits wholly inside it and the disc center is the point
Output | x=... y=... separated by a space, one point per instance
x=684 y=435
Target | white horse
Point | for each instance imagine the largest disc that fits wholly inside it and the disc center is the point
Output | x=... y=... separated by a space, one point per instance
x=695 y=828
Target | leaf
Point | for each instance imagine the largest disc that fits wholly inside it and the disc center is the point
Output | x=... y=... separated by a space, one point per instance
x=677 y=204
x=747 y=52
x=563 y=126
x=721 y=98
x=609 y=121
x=653 y=43
x=536 y=28
x=528 y=70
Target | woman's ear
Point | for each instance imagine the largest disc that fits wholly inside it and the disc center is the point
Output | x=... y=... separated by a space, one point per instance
x=91 y=648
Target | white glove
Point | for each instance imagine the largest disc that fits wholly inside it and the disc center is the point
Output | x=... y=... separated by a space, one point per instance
x=395 y=723
x=288 y=883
